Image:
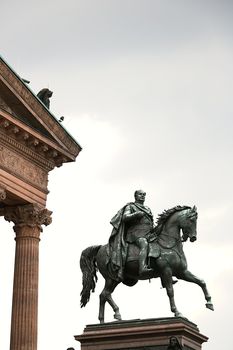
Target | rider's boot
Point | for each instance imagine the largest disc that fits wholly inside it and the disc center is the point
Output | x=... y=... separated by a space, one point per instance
x=143 y=268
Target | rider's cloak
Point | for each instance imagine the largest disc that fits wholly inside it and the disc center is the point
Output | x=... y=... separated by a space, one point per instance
x=117 y=246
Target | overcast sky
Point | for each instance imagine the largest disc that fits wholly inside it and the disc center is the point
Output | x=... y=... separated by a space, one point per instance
x=146 y=89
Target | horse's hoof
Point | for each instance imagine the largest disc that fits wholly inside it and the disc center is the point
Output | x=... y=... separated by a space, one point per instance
x=209 y=306
x=101 y=321
x=178 y=314
x=117 y=316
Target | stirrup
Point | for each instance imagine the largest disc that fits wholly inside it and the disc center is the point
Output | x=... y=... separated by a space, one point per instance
x=145 y=271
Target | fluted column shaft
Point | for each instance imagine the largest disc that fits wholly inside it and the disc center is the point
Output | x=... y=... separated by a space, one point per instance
x=28 y=220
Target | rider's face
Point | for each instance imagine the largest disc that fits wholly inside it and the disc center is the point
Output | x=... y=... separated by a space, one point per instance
x=140 y=196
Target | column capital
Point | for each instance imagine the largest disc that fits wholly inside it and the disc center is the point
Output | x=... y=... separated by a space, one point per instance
x=31 y=215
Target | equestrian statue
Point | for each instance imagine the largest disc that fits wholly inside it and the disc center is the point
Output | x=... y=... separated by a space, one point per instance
x=138 y=249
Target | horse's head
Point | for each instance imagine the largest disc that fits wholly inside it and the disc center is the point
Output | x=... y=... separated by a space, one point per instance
x=188 y=224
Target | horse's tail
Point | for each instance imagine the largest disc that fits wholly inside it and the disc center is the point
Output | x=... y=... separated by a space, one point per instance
x=89 y=270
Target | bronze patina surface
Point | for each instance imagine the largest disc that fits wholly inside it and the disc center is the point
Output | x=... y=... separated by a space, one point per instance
x=139 y=250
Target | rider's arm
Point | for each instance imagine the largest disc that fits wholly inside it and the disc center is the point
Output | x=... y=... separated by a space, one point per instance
x=129 y=215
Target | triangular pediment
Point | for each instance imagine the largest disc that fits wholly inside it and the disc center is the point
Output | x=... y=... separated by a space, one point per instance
x=21 y=107
x=18 y=111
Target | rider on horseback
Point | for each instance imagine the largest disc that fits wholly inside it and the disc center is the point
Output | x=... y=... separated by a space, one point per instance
x=139 y=223
x=131 y=225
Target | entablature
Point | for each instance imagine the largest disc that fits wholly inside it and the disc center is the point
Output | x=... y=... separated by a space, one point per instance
x=31 y=143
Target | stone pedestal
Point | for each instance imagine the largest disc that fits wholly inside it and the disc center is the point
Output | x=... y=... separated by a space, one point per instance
x=148 y=334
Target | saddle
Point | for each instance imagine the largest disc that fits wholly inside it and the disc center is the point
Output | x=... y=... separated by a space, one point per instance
x=154 y=251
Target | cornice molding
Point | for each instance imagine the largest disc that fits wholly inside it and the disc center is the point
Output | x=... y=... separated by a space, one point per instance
x=45 y=150
x=26 y=152
x=36 y=107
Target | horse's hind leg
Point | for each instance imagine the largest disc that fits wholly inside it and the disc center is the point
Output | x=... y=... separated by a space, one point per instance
x=105 y=295
x=117 y=314
x=189 y=277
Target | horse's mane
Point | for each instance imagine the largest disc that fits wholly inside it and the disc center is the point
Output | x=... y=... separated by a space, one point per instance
x=165 y=215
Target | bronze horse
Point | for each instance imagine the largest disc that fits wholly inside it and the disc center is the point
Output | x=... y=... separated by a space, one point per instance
x=170 y=261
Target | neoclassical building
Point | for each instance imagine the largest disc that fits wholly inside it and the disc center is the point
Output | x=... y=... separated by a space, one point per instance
x=32 y=143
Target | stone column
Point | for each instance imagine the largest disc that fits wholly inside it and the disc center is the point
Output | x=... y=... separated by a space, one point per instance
x=28 y=220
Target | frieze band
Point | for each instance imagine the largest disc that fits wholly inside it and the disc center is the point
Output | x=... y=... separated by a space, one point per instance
x=22 y=167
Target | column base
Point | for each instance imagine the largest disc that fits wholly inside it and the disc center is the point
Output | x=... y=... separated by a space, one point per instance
x=147 y=334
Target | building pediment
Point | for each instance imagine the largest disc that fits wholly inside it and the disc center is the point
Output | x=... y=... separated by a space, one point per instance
x=22 y=111
x=32 y=142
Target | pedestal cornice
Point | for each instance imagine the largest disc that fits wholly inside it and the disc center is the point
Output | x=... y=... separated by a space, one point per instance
x=140 y=334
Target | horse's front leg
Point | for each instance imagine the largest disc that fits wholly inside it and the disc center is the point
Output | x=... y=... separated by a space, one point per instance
x=167 y=283
x=189 y=277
